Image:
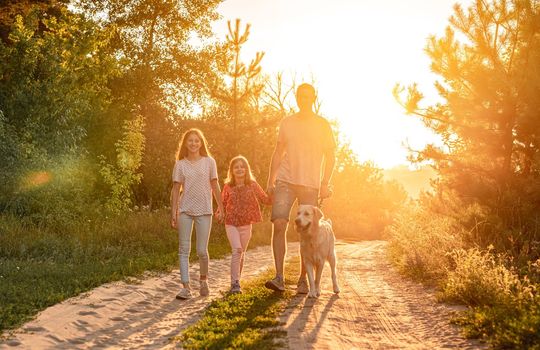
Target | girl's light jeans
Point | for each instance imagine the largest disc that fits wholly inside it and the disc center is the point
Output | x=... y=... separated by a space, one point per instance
x=202 y=224
x=239 y=237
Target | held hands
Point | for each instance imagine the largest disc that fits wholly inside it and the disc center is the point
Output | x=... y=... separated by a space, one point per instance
x=270 y=192
x=220 y=216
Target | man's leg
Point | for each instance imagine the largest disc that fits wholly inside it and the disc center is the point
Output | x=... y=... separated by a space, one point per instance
x=284 y=198
x=279 y=244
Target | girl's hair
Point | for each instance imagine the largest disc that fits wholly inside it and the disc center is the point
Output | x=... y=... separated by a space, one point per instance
x=182 y=151
x=230 y=176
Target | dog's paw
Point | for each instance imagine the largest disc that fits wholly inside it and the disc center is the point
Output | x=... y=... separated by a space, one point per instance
x=336 y=289
x=318 y=293
x=312 y=294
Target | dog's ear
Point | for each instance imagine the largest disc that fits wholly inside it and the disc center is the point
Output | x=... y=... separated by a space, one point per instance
x=317 y=215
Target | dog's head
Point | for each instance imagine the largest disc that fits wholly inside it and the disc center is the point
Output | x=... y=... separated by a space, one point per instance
x=307 y=219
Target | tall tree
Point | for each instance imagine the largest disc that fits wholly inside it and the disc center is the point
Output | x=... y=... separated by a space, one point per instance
x=162 y=63
x=238 y=124
x=488 y=61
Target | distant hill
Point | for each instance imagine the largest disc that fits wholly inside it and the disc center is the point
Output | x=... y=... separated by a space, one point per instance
x=414 y=181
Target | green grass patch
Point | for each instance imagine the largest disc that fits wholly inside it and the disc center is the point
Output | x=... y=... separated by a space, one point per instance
x=42 y=265
x=504 y=327
x=243 y=321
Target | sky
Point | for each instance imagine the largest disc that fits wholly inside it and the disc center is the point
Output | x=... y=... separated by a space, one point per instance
x=356 y=50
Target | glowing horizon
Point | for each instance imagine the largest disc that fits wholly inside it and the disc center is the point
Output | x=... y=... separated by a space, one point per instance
x=356 y=51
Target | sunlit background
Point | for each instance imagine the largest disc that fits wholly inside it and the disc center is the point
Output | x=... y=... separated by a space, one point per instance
x=356 y=50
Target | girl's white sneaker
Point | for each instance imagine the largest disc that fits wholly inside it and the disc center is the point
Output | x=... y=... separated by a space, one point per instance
x=235 y=288
x=185 y=293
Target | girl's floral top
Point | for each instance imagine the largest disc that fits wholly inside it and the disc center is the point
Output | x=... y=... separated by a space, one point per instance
x=241 y=203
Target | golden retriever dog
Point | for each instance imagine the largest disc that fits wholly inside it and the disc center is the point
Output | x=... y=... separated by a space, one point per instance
x=316 y=246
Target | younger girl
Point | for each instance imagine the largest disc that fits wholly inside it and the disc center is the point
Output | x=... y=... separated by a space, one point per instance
x=196 y=174
x=241 y=197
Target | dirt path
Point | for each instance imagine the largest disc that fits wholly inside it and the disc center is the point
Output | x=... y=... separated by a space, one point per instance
x=377 y=309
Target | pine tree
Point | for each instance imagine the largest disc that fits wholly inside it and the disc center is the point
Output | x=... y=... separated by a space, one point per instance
x=489 y=121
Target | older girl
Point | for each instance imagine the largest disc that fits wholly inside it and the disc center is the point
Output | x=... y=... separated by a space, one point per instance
x=196 y=174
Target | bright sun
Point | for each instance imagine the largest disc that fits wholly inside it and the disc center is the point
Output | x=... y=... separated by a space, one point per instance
x=356 y=51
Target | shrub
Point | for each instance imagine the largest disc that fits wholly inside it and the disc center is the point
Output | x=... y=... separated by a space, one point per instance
x=419 y=242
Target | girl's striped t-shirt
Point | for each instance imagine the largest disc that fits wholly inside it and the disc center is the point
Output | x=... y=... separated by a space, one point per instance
x=195 y=177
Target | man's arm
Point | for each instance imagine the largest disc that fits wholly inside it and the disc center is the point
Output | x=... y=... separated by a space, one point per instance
x=328 y=170
x=277 y=157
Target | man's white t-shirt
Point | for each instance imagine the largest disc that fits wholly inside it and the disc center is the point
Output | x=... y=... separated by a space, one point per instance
x=306 y=140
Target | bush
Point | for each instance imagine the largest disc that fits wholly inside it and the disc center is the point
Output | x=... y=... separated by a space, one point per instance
x=504 y=303
x=480 y=278
x=419 y=242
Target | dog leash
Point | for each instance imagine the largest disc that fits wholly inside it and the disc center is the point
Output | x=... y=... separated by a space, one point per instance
x=321 y=200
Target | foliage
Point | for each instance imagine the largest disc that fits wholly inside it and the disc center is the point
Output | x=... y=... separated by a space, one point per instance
x=480 y=278
x=507 y=327
x=419 y=243
x=488 y=63
x=51 y=86
x=504 y=306
x=235 y=122
x=162 y=68
x=123 y=175
x=502 y=300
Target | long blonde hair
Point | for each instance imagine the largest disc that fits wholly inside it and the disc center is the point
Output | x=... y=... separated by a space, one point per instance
x=182 y=150
x=230 y=176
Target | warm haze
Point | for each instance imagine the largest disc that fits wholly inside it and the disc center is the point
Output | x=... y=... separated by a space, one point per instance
x=356 y=51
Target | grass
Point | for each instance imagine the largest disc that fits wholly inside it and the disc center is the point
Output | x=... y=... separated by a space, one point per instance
x=43 y=265
x=504 y=304
x=512 y=326
x=243 y=321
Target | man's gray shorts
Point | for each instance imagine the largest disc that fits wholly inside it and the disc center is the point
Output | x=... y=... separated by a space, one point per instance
x=285 y=194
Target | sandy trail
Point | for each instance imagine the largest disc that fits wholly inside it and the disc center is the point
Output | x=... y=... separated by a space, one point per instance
x=139 y=315
x=376 y=309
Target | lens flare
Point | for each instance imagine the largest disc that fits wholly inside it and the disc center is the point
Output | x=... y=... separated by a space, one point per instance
x=36 y=179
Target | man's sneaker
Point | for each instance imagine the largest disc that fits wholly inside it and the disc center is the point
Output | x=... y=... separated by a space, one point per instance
x=185 y=293
x=235 y=288
x=276 y=284
x=302 y=286
x=204 y=291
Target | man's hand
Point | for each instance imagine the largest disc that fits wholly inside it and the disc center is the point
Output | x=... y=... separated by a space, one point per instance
x=173 y=222
x=325 y=191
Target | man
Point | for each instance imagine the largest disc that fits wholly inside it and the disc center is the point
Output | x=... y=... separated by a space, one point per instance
x=304 y=147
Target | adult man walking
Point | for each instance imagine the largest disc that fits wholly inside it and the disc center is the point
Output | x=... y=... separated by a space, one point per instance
x=305 y=148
